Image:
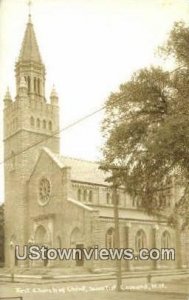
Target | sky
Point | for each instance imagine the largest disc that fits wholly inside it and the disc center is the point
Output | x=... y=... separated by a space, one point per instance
x=89 y=47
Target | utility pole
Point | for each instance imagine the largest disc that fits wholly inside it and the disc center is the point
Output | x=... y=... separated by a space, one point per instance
x=115 y=185
x=117 y=235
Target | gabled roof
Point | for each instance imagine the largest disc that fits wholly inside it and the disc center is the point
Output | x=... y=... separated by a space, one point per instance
x=81 y=170
x=30 y=50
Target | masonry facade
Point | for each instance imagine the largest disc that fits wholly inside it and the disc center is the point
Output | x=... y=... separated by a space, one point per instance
x=2 y=235
x=63 y=202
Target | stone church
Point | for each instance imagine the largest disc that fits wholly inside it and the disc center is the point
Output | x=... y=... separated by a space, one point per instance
x=60 y=201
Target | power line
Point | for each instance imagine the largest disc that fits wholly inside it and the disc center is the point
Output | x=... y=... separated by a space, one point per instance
x=67 y=127
x=55 y=133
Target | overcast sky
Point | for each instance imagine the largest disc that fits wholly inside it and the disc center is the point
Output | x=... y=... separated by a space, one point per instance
x=88 y=47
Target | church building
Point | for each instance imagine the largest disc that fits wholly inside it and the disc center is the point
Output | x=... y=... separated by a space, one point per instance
x=63 y=202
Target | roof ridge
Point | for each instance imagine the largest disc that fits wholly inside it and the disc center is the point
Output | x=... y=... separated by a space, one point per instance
x=70 y=157
x=81 y=170
x=80 y=159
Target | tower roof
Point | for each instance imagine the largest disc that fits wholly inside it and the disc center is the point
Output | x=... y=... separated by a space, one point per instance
x=53 y=93
x=7 y=95
x=30 y=50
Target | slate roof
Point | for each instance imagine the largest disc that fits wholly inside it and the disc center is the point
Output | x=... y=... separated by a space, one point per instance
x=81 y=170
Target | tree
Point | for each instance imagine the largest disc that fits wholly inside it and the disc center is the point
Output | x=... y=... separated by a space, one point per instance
x=146 y=128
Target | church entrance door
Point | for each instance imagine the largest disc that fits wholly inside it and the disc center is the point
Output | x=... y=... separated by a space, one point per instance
x=79 y=260
x=41 y=239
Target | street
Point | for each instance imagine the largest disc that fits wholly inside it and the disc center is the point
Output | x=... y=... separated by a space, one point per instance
x=132 y=290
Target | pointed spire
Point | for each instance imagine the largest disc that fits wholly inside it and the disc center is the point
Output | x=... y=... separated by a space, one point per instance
x=7 y=98
x=30 y=50
x=53 y=92
x=54 y=96
x=7 y=95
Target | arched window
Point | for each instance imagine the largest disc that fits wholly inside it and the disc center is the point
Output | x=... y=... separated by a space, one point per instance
x=108 y=200
x=140 y=240
x=90 y=196
x=110 y=238
x=50 y=125
x=139 y=202
x=35 y=85
x=32 y=121
x=85 y=195
x=165 y=239
x=38 y=123
x=134 y=202
x=79 y=195
x=29 y=84
x=44 y=124
x=38 y=85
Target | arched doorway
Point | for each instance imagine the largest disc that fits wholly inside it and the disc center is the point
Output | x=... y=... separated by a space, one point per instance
x=41 y=238
x=76 y=241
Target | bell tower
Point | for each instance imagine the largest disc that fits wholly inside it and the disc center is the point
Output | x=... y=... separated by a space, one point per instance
x=30 y=123
x=30 y=65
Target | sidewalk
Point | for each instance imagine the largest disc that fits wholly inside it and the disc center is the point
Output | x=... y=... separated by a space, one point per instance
x=53 y=275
